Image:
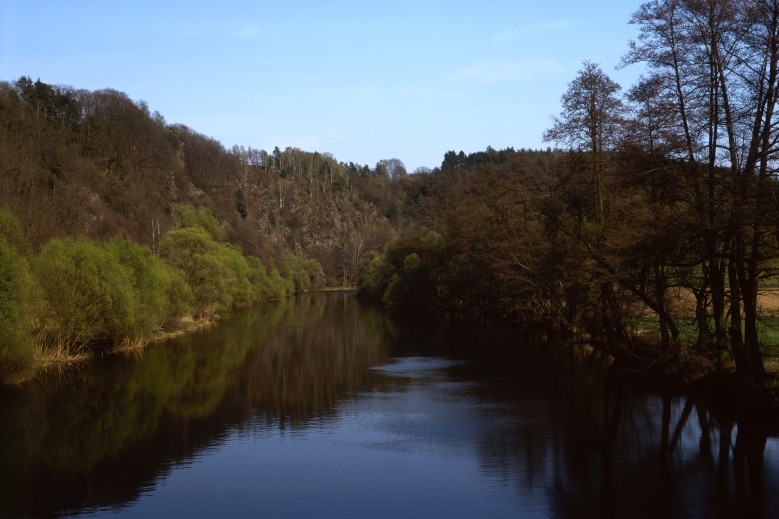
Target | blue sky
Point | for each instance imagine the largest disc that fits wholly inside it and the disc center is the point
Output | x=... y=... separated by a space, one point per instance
x=362 y=80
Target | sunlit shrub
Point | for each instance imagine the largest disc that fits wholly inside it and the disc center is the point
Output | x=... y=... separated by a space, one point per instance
x=16 y=345
x=186 y=216
x=197 y=255
x=88 y=293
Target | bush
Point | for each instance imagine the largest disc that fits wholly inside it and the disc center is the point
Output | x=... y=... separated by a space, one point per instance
x=16 y=344
x=374 y=276
x=177 y=294
x=281 y=287
x=221 y=277
x=155 y=298
x=88 y=294
x=196 y=254
x=304 y=274
x=186 y=216
x=242 y=291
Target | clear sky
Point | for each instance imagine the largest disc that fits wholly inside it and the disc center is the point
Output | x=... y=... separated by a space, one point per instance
x=364 y=80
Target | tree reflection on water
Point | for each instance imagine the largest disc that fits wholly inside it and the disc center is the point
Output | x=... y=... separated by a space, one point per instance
x=557 y=426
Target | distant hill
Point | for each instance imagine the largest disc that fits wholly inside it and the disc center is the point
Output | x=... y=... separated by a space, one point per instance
x=98 y=164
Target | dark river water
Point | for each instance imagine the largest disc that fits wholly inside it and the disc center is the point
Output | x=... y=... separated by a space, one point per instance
x=319 y=407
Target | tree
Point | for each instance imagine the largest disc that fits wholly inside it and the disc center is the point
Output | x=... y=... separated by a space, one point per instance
x=185 y=216
x=16 y=292
x=158 y=296
x=206 y=271
x=653 y=122
x=720 y=62
x=88 y=293
x=394 y=168
x=240 y=203
x=591 y=120
x=497 y=251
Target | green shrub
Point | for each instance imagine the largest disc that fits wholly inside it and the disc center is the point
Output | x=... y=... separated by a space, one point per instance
x=88 y=293
x=375 y=275
x=259 y=279
x=241 y=289
x=316 y=274
x=186 y=216
x=281 y=287
x=148 y=292
x=16 y=344
x=178 y=295
x=205 y=268
x=304 y=274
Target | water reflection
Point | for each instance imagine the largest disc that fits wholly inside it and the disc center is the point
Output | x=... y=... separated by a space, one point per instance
x=598 y=448
x=319 y=406
x=99 y=433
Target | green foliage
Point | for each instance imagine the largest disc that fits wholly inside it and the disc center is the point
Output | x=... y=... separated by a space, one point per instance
x=240 y=204
x=101 y=295
x=88 y=293
x=194 y=251
x=16 y=347
x=412 y=288
x=280 y=286
x=404 y=277
x=316 y=274
x=304 y=274
x=185 y=216
x=221 y=277
x=178 y=295
x=259 y=279
x=158 y=294
x=375 y=275
x=238 y=283
x=11 y=230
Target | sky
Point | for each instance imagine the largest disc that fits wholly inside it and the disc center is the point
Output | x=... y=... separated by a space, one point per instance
x=363 y=80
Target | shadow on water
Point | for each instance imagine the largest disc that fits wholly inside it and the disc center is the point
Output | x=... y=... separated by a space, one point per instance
x=555 y=424
x=602 y=447
x=599 y=446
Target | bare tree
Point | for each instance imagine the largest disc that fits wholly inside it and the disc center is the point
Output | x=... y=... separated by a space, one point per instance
x=591 y=120
x=720 y=62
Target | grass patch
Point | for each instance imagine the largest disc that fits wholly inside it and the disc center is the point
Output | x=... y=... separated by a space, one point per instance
x=688 y=330
x=768 y=333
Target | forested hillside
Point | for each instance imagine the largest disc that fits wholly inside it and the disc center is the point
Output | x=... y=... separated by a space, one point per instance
x=98 y=164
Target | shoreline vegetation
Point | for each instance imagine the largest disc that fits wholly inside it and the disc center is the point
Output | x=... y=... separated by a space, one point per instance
x=77 y=298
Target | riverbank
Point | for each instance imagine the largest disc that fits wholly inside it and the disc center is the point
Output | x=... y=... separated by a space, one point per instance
x=61 y=358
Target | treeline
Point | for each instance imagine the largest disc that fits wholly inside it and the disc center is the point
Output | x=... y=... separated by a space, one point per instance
x=76 y=295
x=97 y=164
x=659 y=216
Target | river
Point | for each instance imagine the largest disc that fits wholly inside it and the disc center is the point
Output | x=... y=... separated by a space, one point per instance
x=320 y=407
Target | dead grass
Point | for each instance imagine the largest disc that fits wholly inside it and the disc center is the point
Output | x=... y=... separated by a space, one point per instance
x=61 y=356
x=767 y=302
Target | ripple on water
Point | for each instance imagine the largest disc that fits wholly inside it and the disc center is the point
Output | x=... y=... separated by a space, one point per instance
x=416 y=367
